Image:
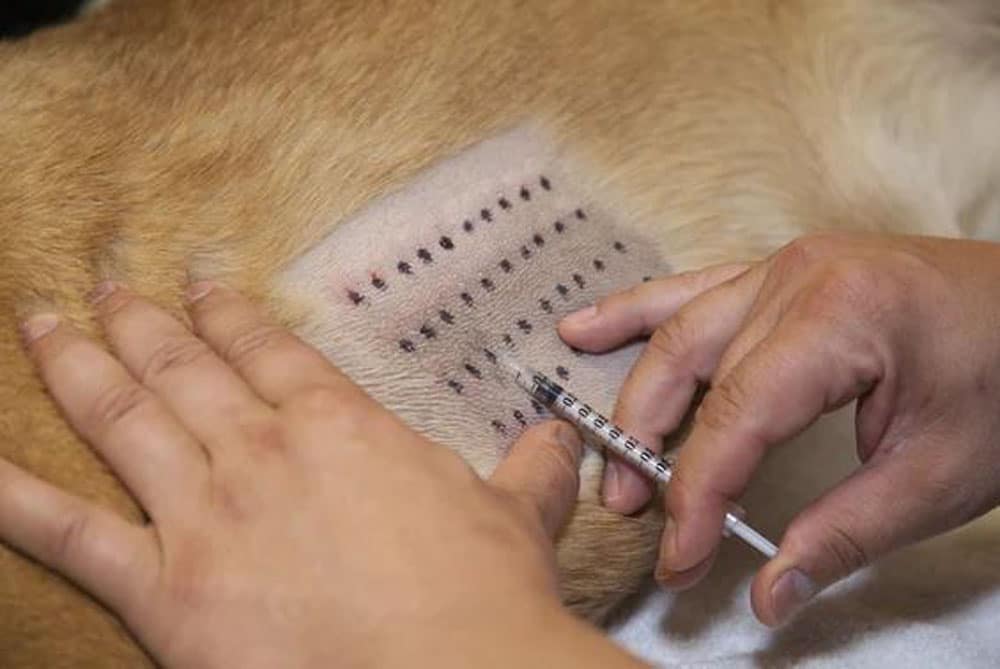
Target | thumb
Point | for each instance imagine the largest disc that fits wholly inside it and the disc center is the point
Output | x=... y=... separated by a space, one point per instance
x=888 y=503
x=542 y=471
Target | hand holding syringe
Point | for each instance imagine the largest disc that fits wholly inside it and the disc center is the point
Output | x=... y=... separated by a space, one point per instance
x=614 y=439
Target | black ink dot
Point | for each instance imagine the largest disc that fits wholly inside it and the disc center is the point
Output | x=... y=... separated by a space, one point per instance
x=545 y=305
x=404 y=267
x=499 y=427
x=562 y=290
x=504 y=203
x=486 y=215
x=525 y=252
x=456 y=386
x=508 y=340
x=487 y=285
x=524 y=326
x=619 y=247
x=519 y=417
x=599 y=264
x=467 y=299
x=473 y=371
x=646 y=279
x=536 y=405
x=378 y=282
x=446 y=243
x=468 y=226
x=407 y=345
x=559 y=226
x=545 y=183
x=578 y=280
x=446 y=316
x=506 y=266
x=425 y=255
x=355 y=297
x=562 y=373
x=538 y=240
x=428 y=332
x=580 y=214
x=490 y=355
x=525 y=194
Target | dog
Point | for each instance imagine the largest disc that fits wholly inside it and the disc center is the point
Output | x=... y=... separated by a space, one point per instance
x=151 y=140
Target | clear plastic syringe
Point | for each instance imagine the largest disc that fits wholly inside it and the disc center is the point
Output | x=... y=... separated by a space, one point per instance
x=613 y=438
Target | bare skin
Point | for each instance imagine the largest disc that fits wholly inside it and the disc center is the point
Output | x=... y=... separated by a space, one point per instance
x=293 y=521
x=907 y=327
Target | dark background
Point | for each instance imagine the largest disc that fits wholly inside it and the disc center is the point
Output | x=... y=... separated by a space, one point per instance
x=20 y=17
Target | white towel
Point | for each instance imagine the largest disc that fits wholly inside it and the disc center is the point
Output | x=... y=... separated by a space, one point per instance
x=936 y=604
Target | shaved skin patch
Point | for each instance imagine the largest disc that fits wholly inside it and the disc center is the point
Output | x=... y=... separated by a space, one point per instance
x=417 y=295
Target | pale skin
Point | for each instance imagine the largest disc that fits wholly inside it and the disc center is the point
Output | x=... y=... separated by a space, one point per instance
x=295 y=522
x=908 y=327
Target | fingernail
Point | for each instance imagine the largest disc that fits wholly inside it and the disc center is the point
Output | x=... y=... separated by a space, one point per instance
x=102 y=291
x=790 y=592
x=38 y=326
x=581 y=318
x=198 y=290
x=570 y=439
x=612 y=483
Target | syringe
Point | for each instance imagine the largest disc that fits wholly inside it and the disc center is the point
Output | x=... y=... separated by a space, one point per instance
x=613 y=438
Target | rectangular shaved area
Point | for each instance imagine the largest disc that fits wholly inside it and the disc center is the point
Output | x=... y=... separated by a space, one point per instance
x=416 y=296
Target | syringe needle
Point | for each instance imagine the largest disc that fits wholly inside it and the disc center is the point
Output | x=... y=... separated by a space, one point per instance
x=613 y=438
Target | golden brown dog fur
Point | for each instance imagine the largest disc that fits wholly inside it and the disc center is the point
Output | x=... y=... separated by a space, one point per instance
x=156 y=136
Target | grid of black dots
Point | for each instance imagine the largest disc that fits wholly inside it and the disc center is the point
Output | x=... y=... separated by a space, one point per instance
x=429 y=332
x=424 y=254
x=474 y=372
x=561 y=372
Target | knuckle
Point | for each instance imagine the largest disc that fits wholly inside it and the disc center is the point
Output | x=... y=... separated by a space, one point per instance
x=253 y=341
x=946 y=490
x=115 y=404
x=849 y=278
x=724 y=405
x=830 y=542
x=848 y=554
x=809 y=249
x=674 y=337
x=172 y=353
x=343 y=410
x=558 y=463
x=630 y=295
x=796 y=255
x=847 y=288
x=71 y=538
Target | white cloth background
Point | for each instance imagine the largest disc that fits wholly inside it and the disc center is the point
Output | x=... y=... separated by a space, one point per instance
x=936 y=604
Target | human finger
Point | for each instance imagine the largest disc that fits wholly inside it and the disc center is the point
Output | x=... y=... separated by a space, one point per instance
x=888 y=503
x=659 y=388
x=542 y=470
x=208 y=397
x=639 y=310
x=128 y=426
x=275 y=362
x=783 y=385
x=107 y=556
